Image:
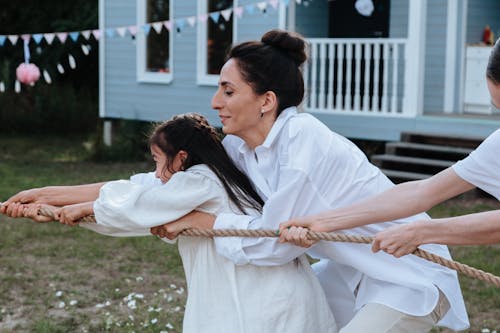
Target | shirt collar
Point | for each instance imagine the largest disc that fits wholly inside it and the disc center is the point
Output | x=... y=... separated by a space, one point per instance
x=275 y=130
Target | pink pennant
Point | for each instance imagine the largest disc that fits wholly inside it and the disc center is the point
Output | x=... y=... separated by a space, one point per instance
x=203 y=18
x=133 y=30
x=238 y=11
x=168 y=24
x=274 y=3
x=26 y=37
x=96 y=33
x=62 y=36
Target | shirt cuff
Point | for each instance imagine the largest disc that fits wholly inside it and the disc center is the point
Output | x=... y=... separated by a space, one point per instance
x=232 y=247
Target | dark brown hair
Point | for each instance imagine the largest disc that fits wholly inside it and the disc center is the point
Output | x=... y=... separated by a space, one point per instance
x=493 y=69
x=273 y=64
x=192 y=133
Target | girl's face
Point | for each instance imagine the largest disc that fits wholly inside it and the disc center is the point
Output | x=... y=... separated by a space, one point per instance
x=162 y=171
x=494 y=93
x=238 y=106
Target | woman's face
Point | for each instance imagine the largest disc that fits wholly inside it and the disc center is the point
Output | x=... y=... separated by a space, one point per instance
x=162 y=170
x=494 y=93
x=238 y=106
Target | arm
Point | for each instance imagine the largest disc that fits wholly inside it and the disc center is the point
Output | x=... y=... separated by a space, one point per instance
x=478 y=228
x=400 y=201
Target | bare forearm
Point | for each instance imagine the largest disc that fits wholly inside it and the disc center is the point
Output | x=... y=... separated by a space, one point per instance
x=68 y=195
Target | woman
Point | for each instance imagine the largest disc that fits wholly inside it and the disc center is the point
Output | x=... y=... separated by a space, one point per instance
x=299 y=167
x=480 y=169
x=196 y=173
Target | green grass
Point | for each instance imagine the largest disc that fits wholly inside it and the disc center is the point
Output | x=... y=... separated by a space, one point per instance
x=98 y=277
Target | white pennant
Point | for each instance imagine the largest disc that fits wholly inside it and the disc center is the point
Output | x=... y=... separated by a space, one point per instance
x=226 y=14
x=72 y=62
x=46 y=76
x=192 y=21
x=13 y=39
x=85 y=49
x=86 y=34
x=2 y=87
x=157 y=26
x=60 y=68
x=121 y=31
x=298 y=1
x=262 y=5
x=49 y=37
x=17 y=87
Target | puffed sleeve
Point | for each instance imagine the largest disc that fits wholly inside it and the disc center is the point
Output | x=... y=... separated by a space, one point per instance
x=125 y=208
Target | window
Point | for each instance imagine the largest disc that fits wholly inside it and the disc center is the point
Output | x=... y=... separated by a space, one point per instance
x=154 y=48
x=215 y=38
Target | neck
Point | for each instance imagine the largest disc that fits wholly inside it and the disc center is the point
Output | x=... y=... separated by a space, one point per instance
x=256 y=136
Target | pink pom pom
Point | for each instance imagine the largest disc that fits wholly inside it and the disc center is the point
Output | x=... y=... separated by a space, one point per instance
x=27 y=73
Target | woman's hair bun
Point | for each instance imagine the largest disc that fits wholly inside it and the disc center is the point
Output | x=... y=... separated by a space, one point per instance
x=290 y=43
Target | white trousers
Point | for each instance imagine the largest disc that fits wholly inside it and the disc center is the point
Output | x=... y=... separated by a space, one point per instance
x=378 y=318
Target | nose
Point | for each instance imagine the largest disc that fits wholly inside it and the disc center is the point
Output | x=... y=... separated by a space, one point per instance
x=216 y=100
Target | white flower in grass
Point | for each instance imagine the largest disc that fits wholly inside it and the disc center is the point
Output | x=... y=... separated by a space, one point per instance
x=485 y=330
x=161 y=291
x=140 y=296
x=52 y=285
x=169 y=326
x=173 y=286
x=3 y=310
x=177 y=309
x=158 y=309
x=61 y=305
x=151 y=309
x=180 y=291
x=169 y=298
x=59 y=293
x=132 y=304
x=73 y=302
x=163 y=331
x=131 y=317
x=154 y=321
x=117 y=290
x=139 y=278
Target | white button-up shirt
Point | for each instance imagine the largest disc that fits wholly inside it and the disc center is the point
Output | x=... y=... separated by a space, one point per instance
x=304 y=168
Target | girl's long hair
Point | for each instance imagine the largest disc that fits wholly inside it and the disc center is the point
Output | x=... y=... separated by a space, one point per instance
x=192 y=133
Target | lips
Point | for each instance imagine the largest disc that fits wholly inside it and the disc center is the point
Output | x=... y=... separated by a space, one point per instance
x=223 y=119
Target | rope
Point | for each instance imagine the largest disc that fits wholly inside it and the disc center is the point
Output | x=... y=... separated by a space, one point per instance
x=334 y=237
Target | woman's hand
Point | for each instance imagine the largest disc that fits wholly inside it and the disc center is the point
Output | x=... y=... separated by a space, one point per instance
x=32 y=211
x=26 y=196
x=70 y=214
x=12 y=209
x=399 y=240
x=296 y=236
x=193 y=220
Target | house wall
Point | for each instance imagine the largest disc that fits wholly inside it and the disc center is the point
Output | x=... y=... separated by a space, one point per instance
x=312 y=20
x=129 y=99
x=479 y=14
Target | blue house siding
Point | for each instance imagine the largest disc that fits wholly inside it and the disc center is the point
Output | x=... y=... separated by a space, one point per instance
x=312 y=20
x=126 y=98
x=479 y=14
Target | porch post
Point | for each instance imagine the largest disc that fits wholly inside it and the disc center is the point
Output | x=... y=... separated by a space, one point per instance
x=415 y=58
x=291 y=16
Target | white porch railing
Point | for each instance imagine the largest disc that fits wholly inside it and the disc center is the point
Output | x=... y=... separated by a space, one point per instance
x=355 y=76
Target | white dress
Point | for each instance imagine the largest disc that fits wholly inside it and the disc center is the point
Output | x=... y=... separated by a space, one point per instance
x=222 y=296
x=303 y=168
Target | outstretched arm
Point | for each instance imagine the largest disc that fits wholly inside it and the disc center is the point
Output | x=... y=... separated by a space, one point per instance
x=403 y=200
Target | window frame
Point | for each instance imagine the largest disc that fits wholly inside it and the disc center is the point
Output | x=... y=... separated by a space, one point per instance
x=202 y=78
x=141 y=44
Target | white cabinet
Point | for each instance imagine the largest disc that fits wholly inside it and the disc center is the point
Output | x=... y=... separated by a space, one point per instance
x=476 y=95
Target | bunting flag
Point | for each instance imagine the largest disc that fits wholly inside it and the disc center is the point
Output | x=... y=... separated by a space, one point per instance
x=178 y=23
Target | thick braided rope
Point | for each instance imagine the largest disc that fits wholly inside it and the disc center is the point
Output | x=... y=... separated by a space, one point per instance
x=334 y=237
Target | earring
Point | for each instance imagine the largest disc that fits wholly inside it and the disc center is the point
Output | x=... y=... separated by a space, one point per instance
x=262 y=112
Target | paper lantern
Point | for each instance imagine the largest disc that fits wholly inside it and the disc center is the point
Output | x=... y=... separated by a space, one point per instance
x=27 y=73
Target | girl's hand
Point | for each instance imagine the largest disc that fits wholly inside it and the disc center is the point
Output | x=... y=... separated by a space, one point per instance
x=70 y=214
x=195 y=219
x=32 y=211
x=12 y=209
x=296 y=236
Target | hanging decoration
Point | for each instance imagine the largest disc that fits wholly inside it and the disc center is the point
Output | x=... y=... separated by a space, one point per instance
x=27 y=72
x=364 y=7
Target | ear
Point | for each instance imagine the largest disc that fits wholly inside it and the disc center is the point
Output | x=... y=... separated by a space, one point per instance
x=270 y=102
x=182 y=155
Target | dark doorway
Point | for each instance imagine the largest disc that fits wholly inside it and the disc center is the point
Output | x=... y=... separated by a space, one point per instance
x=346 y=22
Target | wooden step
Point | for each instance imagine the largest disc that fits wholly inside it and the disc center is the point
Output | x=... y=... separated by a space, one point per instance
x=436 y=139
x=398 y=176
x=410 y=164
x=427 y=151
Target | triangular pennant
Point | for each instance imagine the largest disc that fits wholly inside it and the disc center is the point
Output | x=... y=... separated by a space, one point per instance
x=274 y=3
x=298 y=1
x=86 y=34
x=146 y=28
x=203 y=18
x=13 y=39
x=250 y=9
x=37 y=38
x=62 y=36
x=262 y=5
x=47 y=77
x=133 y=30
x=74 y=35
x=122 y=31
x=72 y=62
x=180 y=23
x=26 y=38
x=2 y=40
x=60 y=68
x=110 y=32
x=168 y=25
x=238 y=11
x=96 y=33
x=226 y=14
x=191 y=21
x=215 y=16
x=157 y=26
x=285 y=2
x=49 y=37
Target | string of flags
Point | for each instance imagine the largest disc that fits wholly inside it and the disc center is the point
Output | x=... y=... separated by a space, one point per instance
x=176 y=25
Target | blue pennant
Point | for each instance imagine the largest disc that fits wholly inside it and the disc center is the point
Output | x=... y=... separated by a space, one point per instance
x=74 y=35
x=180 y=23
x=146 y=28
x=110 y=32
x=2 y=40
x=286 y=2
x=37 y=38
x=215 y=16
x=250 y=9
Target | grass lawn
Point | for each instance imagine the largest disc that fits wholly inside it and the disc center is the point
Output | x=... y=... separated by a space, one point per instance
x=55 y=278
